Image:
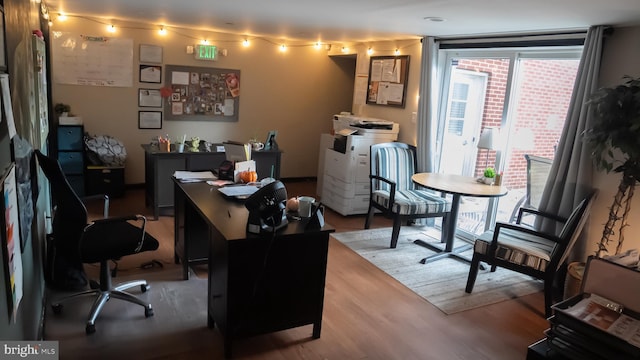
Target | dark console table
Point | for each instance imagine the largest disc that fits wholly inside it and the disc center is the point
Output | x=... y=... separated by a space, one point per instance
x=257 y=283
x=160 y=165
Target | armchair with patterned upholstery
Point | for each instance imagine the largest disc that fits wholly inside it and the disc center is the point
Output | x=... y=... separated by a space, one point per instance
x=394 y=193
x=529 y=251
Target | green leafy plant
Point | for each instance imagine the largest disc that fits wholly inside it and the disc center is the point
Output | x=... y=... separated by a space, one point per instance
x=61 y=108
x=614 y=135
x=490 y=172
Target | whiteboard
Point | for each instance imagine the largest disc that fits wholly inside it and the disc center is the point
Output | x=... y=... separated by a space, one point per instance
x=92 y=60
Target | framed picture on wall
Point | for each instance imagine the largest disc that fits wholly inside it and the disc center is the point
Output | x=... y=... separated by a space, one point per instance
x=149 y=98
x=151 y=74
x=150 y=53
x=149 y=119
x=388 y=77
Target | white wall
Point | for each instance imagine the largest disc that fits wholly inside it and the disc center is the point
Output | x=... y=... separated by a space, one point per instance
x=295 y=92
x=621 y=56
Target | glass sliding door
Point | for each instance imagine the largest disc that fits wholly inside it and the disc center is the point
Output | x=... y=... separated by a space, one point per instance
x=525 y=94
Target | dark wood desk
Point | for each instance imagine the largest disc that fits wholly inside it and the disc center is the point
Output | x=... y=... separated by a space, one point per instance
x=257 y=283
x=159 y=167
x=458 y=186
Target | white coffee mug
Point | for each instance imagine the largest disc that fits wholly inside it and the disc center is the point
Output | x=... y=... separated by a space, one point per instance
x=257 y=146
x=305 y=206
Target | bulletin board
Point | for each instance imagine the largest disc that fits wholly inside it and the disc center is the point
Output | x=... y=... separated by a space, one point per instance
x=388 y=77
x=92 y=60
x=202 y=93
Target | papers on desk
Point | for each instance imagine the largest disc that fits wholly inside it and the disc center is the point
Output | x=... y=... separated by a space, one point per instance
x=194 y=176
x=238 y=190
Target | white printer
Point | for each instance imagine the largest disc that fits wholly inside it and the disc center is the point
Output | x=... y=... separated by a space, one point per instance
x=345 y=175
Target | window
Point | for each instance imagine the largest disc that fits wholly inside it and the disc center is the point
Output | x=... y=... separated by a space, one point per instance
x=525 y=93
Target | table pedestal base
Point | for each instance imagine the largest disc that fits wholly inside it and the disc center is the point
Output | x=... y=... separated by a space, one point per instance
x=443 y=252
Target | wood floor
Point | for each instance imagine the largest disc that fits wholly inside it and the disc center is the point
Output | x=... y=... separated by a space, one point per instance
x=367 y=314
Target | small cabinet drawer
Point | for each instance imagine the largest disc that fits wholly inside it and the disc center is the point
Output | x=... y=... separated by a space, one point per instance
x=71 y=162
x=105 y=180
x=70 y=138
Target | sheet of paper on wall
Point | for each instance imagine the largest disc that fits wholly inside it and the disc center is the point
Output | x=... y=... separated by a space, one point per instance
x=228 y=107
x=6 y=102
x=176 y=108
x=395 y=92
x=383 y=93
x=180 y=78
x=391 y=70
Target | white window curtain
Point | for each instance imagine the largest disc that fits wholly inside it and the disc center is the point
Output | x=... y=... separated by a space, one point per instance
x=570 y=179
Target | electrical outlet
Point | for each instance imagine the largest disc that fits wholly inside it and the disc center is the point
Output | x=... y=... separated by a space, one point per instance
x=414 y=117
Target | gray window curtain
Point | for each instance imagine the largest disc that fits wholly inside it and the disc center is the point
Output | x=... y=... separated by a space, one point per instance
x=570 y=179
x=427 y=104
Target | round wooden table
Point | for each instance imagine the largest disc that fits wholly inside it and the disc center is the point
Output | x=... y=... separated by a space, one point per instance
x=457 y=186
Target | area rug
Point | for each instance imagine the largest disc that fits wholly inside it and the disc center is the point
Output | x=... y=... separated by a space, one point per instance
x=440 y=282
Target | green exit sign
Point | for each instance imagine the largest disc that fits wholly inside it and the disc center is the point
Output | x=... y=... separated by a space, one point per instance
x=206 y=52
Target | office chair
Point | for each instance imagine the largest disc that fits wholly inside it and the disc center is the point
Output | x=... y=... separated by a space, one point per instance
x=77 y=242
x=394 y=193
x=523 y=249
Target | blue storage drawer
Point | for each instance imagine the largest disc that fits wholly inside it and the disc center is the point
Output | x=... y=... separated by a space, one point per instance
x=70 y=138
x=71 y=162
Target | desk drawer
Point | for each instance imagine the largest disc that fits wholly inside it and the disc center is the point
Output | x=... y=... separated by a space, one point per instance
x=105 y=180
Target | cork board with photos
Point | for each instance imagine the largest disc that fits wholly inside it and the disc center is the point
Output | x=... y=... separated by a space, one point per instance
x=201 y=93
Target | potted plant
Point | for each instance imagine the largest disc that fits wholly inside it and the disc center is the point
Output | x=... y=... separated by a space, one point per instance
x=62 y=109
x=64 y=115
x=614 y=138
x=489 y=175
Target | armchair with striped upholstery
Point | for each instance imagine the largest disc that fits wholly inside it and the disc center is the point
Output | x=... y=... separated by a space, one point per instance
x=529 y=251
x=394 y=193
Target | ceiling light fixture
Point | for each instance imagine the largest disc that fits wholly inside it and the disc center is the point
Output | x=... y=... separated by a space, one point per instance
x=61 y=17
x=162 y=31
x=245 y=42
x=283 y=48
x=345 y=49
x=369 y=51
x=318 y=45
x=111 y=28
x=397 y=52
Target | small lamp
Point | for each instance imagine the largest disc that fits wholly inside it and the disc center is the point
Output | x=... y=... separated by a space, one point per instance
x=489 y=141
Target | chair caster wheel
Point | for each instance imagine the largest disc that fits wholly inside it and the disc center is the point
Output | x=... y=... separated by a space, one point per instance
x=145 y=288
x=57 y=308
x=90 y=329
x=148 y=312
